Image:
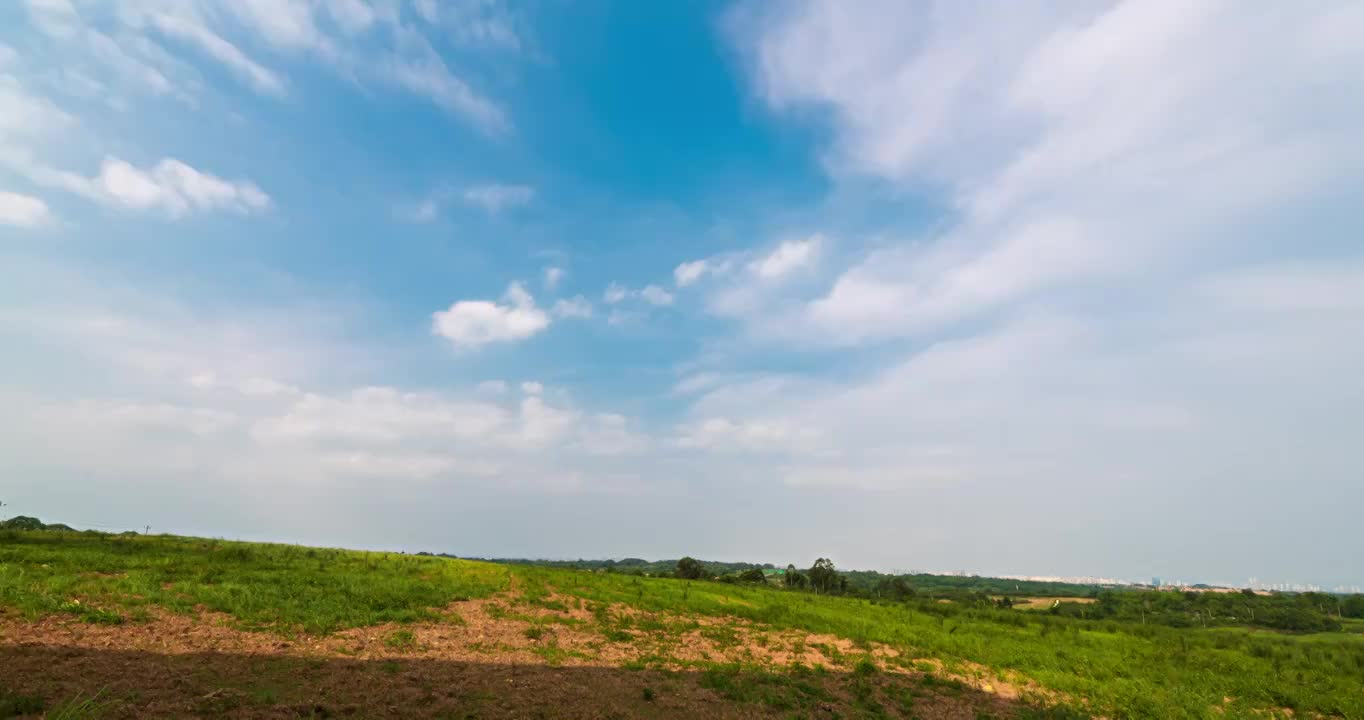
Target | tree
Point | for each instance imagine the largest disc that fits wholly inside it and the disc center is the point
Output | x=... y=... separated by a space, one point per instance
x=753 y=575
x=823 y=576
x=689 y=568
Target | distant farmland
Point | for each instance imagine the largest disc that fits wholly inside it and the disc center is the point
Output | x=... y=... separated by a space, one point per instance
x=95 y=625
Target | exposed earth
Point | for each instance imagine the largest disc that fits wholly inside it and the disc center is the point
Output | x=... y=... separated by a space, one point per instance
x=502 y=657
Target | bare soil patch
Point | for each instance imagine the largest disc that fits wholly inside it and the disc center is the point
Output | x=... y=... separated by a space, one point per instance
x=497 y=657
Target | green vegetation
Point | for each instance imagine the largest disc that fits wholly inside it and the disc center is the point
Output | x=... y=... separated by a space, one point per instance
x=1302 y=612
x=114 y=578
x=14 y=705
x=1095 y=658
x=23 y=522
x=859 y=583
x=1111 y=667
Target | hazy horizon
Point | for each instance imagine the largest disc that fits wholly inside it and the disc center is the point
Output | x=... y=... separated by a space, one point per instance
x=1070 y=290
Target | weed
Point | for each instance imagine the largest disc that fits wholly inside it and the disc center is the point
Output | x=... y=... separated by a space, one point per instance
x=401 y=640
x=617 y=636
x=865 y=667
x=79 y=707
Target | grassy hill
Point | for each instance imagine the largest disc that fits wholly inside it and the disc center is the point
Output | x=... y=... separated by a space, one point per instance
x=132 y=626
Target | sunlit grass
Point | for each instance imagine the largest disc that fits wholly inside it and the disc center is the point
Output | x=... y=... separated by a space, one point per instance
x=104 y=578
x=1110 y=668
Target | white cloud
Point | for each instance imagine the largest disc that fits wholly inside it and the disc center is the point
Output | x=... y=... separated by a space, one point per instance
x=221 y=397
x=57 y=18
x=23 y=211
x=574 y=307
x=719 y=433
x=290 y=24
x=1073 y=144
x=552 y=277
x=423 y=212
x=492 y=387
x=495 y=197
x=365 y=43
x=655 y=295
x=615 y=293
x=474 y=323
x=428 y=10
x=352 y=15
x=689 y=272
x=192 y=30
x=170 y=186
x=787 y=258
x=621 y=317
x=25 y=115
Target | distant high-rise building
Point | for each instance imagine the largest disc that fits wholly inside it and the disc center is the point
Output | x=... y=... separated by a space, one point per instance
x=1155 y=582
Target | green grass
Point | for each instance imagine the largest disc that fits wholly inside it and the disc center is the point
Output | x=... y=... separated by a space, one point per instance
x=80 y=707
x=108 y=579
x=401 y=640
x=1110 y=668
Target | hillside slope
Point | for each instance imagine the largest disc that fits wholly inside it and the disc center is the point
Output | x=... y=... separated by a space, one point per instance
x=167 y=626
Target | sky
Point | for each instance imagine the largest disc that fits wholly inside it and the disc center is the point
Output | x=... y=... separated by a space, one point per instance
x=1067 y=288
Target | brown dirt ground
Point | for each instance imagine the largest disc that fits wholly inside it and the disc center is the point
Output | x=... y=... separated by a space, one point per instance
x=503 y=657
x=1044 y=603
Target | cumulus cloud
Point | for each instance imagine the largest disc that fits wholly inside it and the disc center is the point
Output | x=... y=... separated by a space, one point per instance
x=474 y=323
x=496 y=197
x=615 y=293
x=225 y=398
x=23 y=211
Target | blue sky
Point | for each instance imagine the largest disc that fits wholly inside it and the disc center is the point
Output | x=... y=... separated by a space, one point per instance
x=1061 y=289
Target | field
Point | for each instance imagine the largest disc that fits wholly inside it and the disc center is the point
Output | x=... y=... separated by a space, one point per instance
x=131 y=626
x=1044 y=603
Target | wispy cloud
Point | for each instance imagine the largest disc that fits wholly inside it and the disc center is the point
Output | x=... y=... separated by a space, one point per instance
x=170 y=186
x=190 y=29
x=553 y=275
x=574 y=307
x=497 y=197
x=652 y=294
